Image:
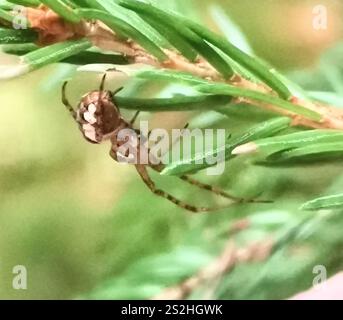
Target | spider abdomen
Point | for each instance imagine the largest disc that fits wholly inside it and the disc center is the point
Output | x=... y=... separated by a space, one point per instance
x=98 y=116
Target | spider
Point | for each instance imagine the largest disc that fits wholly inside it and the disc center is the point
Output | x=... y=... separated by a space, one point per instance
x=99 y=120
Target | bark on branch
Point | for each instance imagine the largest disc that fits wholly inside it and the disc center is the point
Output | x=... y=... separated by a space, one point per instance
x=53 y=28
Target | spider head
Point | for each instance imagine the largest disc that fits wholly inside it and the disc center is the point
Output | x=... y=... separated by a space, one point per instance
x=98 y=116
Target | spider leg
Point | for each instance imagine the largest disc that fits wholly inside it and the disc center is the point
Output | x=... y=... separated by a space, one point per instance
x=103 y=81
x=219 y=191
x=133 y=120
x=66 y=102
x=211 y=188
x=102 y=84
x=179 y=137
x=177 y=140
x=142 y=170
x=117 y=91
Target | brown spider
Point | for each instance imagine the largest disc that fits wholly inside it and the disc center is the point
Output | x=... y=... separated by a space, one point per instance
x=100 y=120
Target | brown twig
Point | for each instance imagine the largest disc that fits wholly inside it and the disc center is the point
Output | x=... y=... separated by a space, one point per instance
x=226 y=262
x=53 y=28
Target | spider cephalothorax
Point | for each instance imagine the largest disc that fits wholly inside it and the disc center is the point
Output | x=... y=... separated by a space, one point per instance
x=98 y=116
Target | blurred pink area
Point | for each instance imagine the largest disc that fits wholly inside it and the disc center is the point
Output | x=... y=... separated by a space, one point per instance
x=332 y=289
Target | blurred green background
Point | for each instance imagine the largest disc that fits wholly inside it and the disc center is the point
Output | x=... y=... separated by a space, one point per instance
x=86 y=227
